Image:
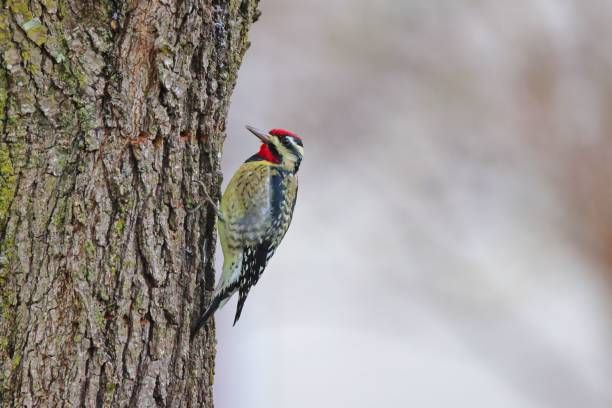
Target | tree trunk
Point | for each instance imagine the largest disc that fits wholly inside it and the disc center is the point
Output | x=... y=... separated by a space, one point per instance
x=111 y=112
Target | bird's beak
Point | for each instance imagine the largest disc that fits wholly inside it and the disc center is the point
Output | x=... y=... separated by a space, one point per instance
x=261 y=135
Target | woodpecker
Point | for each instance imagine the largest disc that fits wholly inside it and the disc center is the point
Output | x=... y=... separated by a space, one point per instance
x=254 y=215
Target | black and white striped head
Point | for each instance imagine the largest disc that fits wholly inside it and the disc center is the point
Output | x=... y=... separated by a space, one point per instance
x=280 y=146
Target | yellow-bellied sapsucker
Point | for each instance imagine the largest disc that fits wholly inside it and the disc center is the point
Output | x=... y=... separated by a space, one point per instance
x=255 y=213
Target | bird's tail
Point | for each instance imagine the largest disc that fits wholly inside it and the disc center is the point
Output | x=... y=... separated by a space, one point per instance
x=243 y=292
x=204 y=317
x=220 y=298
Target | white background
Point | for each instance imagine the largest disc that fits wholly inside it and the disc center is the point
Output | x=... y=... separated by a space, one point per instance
x=449 y=242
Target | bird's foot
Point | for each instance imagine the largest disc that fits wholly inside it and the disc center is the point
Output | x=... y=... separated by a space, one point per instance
x=210 y=201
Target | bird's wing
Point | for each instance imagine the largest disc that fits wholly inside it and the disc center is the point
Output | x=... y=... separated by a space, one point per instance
x=253 y=264
x=247 y=218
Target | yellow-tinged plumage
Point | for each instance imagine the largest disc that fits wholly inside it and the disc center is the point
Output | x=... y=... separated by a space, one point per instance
x=255 y=213
x=248 y=204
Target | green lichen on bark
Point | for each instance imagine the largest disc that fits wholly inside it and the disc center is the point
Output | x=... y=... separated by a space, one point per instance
x=35 y=31
x=7 y=181
x=3 y=93
x=20 y=8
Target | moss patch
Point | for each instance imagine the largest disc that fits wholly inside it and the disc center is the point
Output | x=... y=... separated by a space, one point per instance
x=120 y=226
x=90 y=248
x=7 y=181
x=20 y=7
x=35 y=31
x=3 y=93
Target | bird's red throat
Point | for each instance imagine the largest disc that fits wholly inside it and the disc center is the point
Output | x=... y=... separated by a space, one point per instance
x=266 y=154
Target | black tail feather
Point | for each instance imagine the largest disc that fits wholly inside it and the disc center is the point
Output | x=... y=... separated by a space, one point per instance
x=212 y=308
x=204 y=318
x=241 y=299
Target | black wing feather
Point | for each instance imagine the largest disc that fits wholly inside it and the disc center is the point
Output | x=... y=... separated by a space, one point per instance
x=253 y=264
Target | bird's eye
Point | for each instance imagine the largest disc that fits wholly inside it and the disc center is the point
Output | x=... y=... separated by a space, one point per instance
x=285 y=141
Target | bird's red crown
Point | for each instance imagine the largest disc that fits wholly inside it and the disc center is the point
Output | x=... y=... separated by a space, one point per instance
x=283 y=132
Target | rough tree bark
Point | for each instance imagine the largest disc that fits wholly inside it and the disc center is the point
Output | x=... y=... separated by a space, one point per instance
x=111 y=111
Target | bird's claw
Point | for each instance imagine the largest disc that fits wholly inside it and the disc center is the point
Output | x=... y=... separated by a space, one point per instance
x=209 y=200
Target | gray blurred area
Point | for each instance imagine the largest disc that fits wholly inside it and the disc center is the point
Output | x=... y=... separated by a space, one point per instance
x=452 y=241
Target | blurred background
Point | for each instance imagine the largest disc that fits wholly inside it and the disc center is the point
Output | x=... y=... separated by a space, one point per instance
x=452 y=241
